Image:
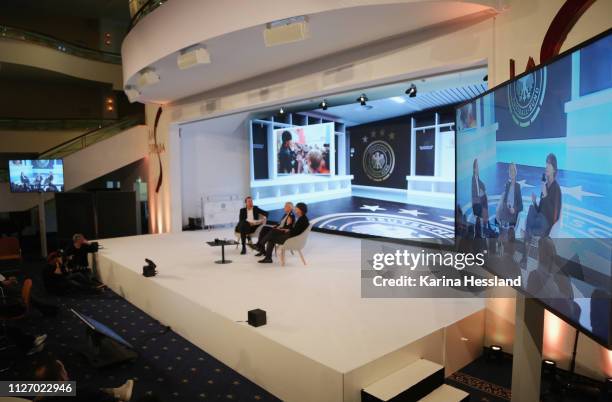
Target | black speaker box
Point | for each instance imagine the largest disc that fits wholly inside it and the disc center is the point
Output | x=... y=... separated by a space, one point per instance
x=257 y=317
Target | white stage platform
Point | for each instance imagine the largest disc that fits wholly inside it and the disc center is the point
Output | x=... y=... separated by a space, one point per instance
x=323 y=342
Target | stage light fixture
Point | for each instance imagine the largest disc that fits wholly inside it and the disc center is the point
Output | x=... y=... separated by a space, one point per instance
x=193 y=56
x=285 y=31
x=485 y=78
x=411 y=91
x=147 y=77
x=495 y=353
x=608 y=386
x=362 y=99
x=549 y=367
x=131 y=92
x=323 y=105
x=281 y=111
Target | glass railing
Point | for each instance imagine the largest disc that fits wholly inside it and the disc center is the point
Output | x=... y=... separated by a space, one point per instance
x=91 y=137
x=146 y=8
x=19 y=124
x=58 y=44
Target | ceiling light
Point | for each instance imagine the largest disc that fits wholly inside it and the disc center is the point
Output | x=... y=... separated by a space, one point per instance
x=362 y=99
x=323 y=105
x=398 y=99
x=281 y=111
x=485 y=78
x=411 y=91
x=496 y=348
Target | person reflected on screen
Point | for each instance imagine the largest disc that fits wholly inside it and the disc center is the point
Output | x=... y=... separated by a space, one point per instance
x=285 y=223
x=543 y=215
x=286 y=154
x=280 y=236
x=480 y=203
x=511 y=203
x=249 y=219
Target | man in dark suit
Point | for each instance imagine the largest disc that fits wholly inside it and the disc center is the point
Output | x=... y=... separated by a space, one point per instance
x=280 y=236
x=249 y=220
x=285 y=223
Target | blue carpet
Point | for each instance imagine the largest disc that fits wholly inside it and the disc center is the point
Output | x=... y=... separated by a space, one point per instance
x=167 y=366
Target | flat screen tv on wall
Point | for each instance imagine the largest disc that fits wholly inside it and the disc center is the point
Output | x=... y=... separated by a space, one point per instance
x=36 y=175
x=534 y=172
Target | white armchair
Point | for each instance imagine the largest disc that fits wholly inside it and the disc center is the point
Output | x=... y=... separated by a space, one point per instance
x=255 y=234
x=296 y=243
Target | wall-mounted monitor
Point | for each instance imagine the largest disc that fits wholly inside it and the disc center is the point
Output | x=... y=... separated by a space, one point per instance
x=304 y=149
x=36 y=175
x=534 y=172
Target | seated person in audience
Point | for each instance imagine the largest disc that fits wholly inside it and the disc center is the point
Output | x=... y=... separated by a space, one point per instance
x=249 y=220
x=60 y=280
x=11 y=305
x=541 y=217
x=76 y=254
x=49 y=368
x=480 y=203
x=285 y=223
x=511 y=203
x=280 y=236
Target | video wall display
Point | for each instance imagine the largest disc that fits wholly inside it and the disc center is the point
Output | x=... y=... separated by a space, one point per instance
x=36 y=176
x=534 y=170
x=304 y=149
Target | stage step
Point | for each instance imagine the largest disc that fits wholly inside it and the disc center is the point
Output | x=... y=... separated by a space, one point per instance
x=409 y=384
x=446 y=393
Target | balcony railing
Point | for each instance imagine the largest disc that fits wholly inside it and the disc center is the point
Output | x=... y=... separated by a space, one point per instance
x=146 y=8
x=58 y=44
x=20 y=124
x=91 y=137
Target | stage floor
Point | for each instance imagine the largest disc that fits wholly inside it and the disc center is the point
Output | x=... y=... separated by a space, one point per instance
x=376 y=217
x=316 y=311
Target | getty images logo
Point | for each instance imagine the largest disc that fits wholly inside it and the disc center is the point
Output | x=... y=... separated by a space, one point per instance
x=410 y=260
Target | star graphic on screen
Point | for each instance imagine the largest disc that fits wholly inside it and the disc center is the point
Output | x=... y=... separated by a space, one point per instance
x=447 y=218
x=413 y=212
x=577 y=192
x=372 y=208
x=365 y=139
x=523 y=183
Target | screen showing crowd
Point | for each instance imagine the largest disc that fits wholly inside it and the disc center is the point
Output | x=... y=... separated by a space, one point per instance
x=304 y=149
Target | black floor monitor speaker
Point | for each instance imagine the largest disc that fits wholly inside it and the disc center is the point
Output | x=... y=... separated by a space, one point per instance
x=257 y=317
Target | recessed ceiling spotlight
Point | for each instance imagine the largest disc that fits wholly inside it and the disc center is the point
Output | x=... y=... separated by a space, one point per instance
x=323 y=105
x=411 y=91
x=281 y=111
x=362 y=99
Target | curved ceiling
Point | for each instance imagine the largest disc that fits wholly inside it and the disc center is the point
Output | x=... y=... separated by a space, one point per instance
x=235 y=42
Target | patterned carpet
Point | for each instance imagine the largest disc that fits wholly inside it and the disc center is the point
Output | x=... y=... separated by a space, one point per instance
x=167 y=366
x=491 y=381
